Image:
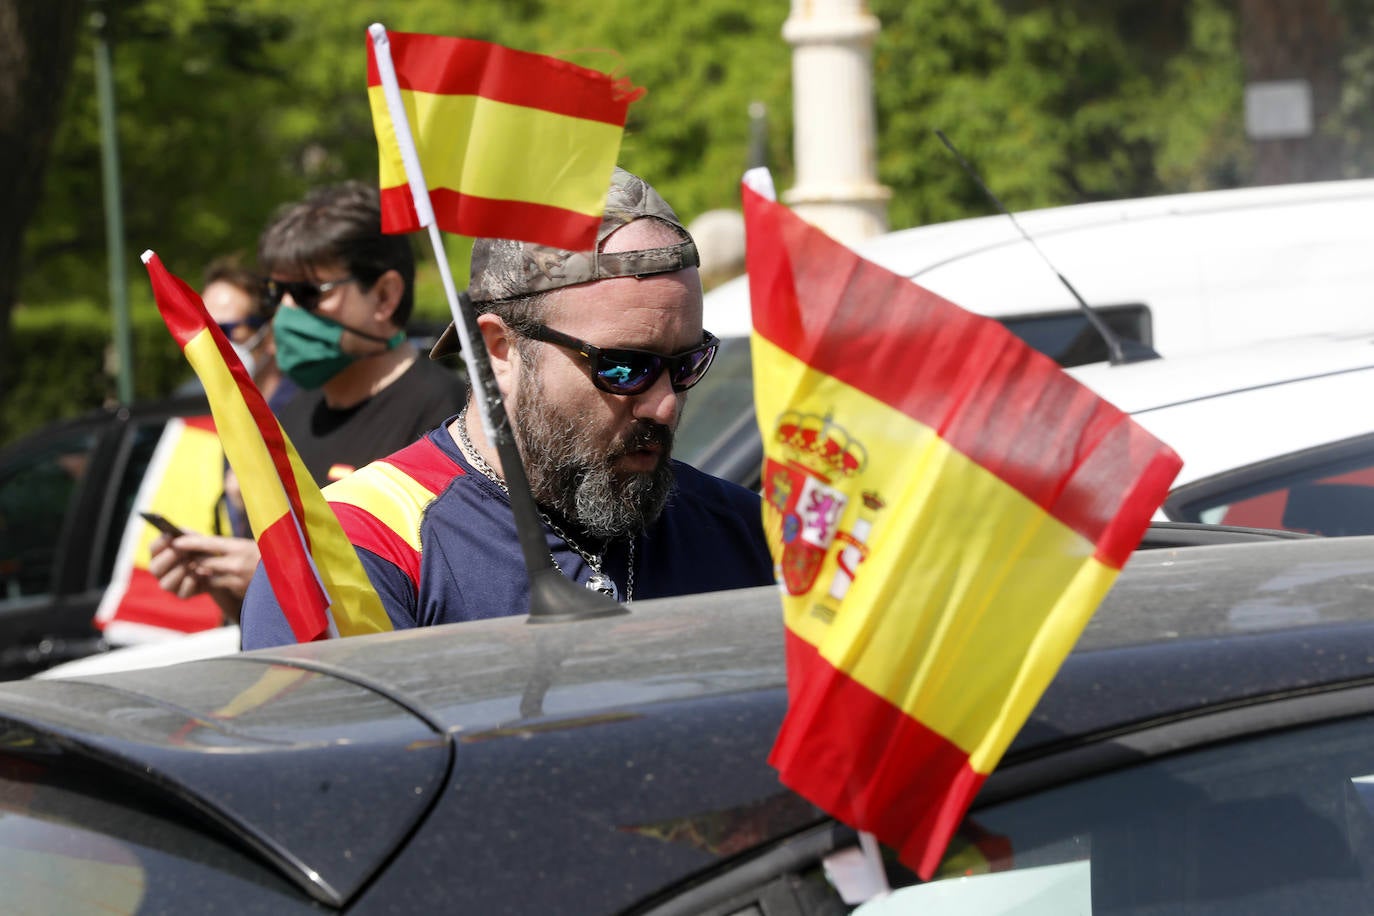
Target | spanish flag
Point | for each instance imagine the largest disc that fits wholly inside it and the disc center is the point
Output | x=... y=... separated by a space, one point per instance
x=946 y=508
x=313 y=569
x=511 y=144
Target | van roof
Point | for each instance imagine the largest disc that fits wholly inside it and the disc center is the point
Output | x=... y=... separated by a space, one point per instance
x=1213 y=267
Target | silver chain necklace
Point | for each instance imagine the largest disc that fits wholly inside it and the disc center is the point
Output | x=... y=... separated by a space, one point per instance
x=599 y=581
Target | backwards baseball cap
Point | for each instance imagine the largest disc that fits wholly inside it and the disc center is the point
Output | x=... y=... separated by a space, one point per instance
x=503 y=269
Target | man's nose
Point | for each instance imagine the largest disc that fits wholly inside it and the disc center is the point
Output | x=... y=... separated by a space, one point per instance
x=660 y=403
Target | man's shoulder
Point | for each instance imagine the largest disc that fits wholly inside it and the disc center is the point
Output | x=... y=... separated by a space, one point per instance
x=382 y=505
x=414 y=475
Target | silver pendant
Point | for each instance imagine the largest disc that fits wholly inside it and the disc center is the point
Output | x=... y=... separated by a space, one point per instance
x=604 y=584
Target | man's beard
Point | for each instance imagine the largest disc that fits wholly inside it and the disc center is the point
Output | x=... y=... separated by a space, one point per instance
x=571 y=467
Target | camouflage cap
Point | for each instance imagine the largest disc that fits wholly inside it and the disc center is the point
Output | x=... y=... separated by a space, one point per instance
x=503 y=269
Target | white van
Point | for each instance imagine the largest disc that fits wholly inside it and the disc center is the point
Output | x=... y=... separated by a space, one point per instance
x=1181 y=273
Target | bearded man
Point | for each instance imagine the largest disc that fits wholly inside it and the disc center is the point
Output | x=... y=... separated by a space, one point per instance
x=593 y=352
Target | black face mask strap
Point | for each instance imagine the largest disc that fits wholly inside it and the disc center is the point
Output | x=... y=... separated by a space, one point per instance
x=352 y=330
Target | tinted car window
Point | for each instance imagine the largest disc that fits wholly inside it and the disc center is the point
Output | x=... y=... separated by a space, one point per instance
x=1282 y=823
x=720 y=399
x=1069 y=338
x=724 y=399
x=144 y=442
x=1328 y=491
x=38 y=492
x=73 y=841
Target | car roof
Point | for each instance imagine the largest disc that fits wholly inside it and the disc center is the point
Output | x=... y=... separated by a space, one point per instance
x=1156 y=384
x=1213 y=266
x=1238 y=406
x=379 y=721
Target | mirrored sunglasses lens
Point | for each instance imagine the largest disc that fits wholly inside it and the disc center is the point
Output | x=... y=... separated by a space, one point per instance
x=693 y=367
x=628 y=376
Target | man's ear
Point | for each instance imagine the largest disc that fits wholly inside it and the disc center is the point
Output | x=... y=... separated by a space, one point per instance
x=500 y=341
x=389 y=288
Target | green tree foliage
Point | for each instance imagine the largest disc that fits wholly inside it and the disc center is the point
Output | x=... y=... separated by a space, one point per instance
x=1054 y=102
x=228 y=108
x=1355 y=121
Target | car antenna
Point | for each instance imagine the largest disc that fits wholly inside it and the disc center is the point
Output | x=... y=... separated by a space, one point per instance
x=1119 y=351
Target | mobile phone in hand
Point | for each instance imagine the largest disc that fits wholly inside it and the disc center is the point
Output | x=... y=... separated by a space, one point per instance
x=161 y=524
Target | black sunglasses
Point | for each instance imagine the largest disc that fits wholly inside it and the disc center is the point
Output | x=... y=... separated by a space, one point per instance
x=629 y=372
x=304 y=293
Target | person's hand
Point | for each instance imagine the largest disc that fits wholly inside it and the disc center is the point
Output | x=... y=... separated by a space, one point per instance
x=195 y=564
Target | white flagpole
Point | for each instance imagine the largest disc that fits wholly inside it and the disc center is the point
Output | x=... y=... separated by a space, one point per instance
x=552 y=595
x=419 y=190
x=760 y=181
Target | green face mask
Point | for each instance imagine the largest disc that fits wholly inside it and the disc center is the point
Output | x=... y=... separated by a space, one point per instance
x=309 y=348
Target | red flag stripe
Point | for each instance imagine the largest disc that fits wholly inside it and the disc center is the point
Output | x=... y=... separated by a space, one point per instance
x=995 y=401
x=185 y=316
x=293 y=581
x=909 y=790
x=470 y=214
x=370 y=533
x=466 y=66
x=426 y=464
x=205 y=422
x=146 y=603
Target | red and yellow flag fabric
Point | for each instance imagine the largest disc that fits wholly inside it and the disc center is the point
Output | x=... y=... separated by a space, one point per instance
x=183 y=481
x=946 y=508
x=314 y=572
x=512 y=144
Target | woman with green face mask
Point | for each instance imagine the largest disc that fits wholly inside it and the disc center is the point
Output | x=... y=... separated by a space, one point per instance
x=341 y=293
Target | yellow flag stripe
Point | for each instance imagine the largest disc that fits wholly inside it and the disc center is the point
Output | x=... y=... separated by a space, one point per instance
x=390 y=495
x=495 y=150
x=189 y=489
x=239 y=432
x=974 y=574
x=355 y=606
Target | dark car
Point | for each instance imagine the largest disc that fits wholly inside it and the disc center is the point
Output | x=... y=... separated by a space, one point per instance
x=65 y=497
x=1208 y=747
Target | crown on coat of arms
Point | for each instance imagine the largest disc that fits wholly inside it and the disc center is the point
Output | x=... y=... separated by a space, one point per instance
x=821 y=444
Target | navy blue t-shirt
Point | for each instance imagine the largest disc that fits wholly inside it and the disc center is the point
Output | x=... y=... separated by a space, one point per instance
x=437 y=539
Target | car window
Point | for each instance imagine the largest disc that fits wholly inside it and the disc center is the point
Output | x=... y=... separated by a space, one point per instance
x=39 y=489
x=724 y=399
x=73 y=840
x=142 y=444
x=1327 y=491
x=1068 y=338
x=724 y=394
x=1280 y=823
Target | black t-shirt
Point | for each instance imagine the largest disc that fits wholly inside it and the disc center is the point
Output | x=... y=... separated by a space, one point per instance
x=334 y=443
